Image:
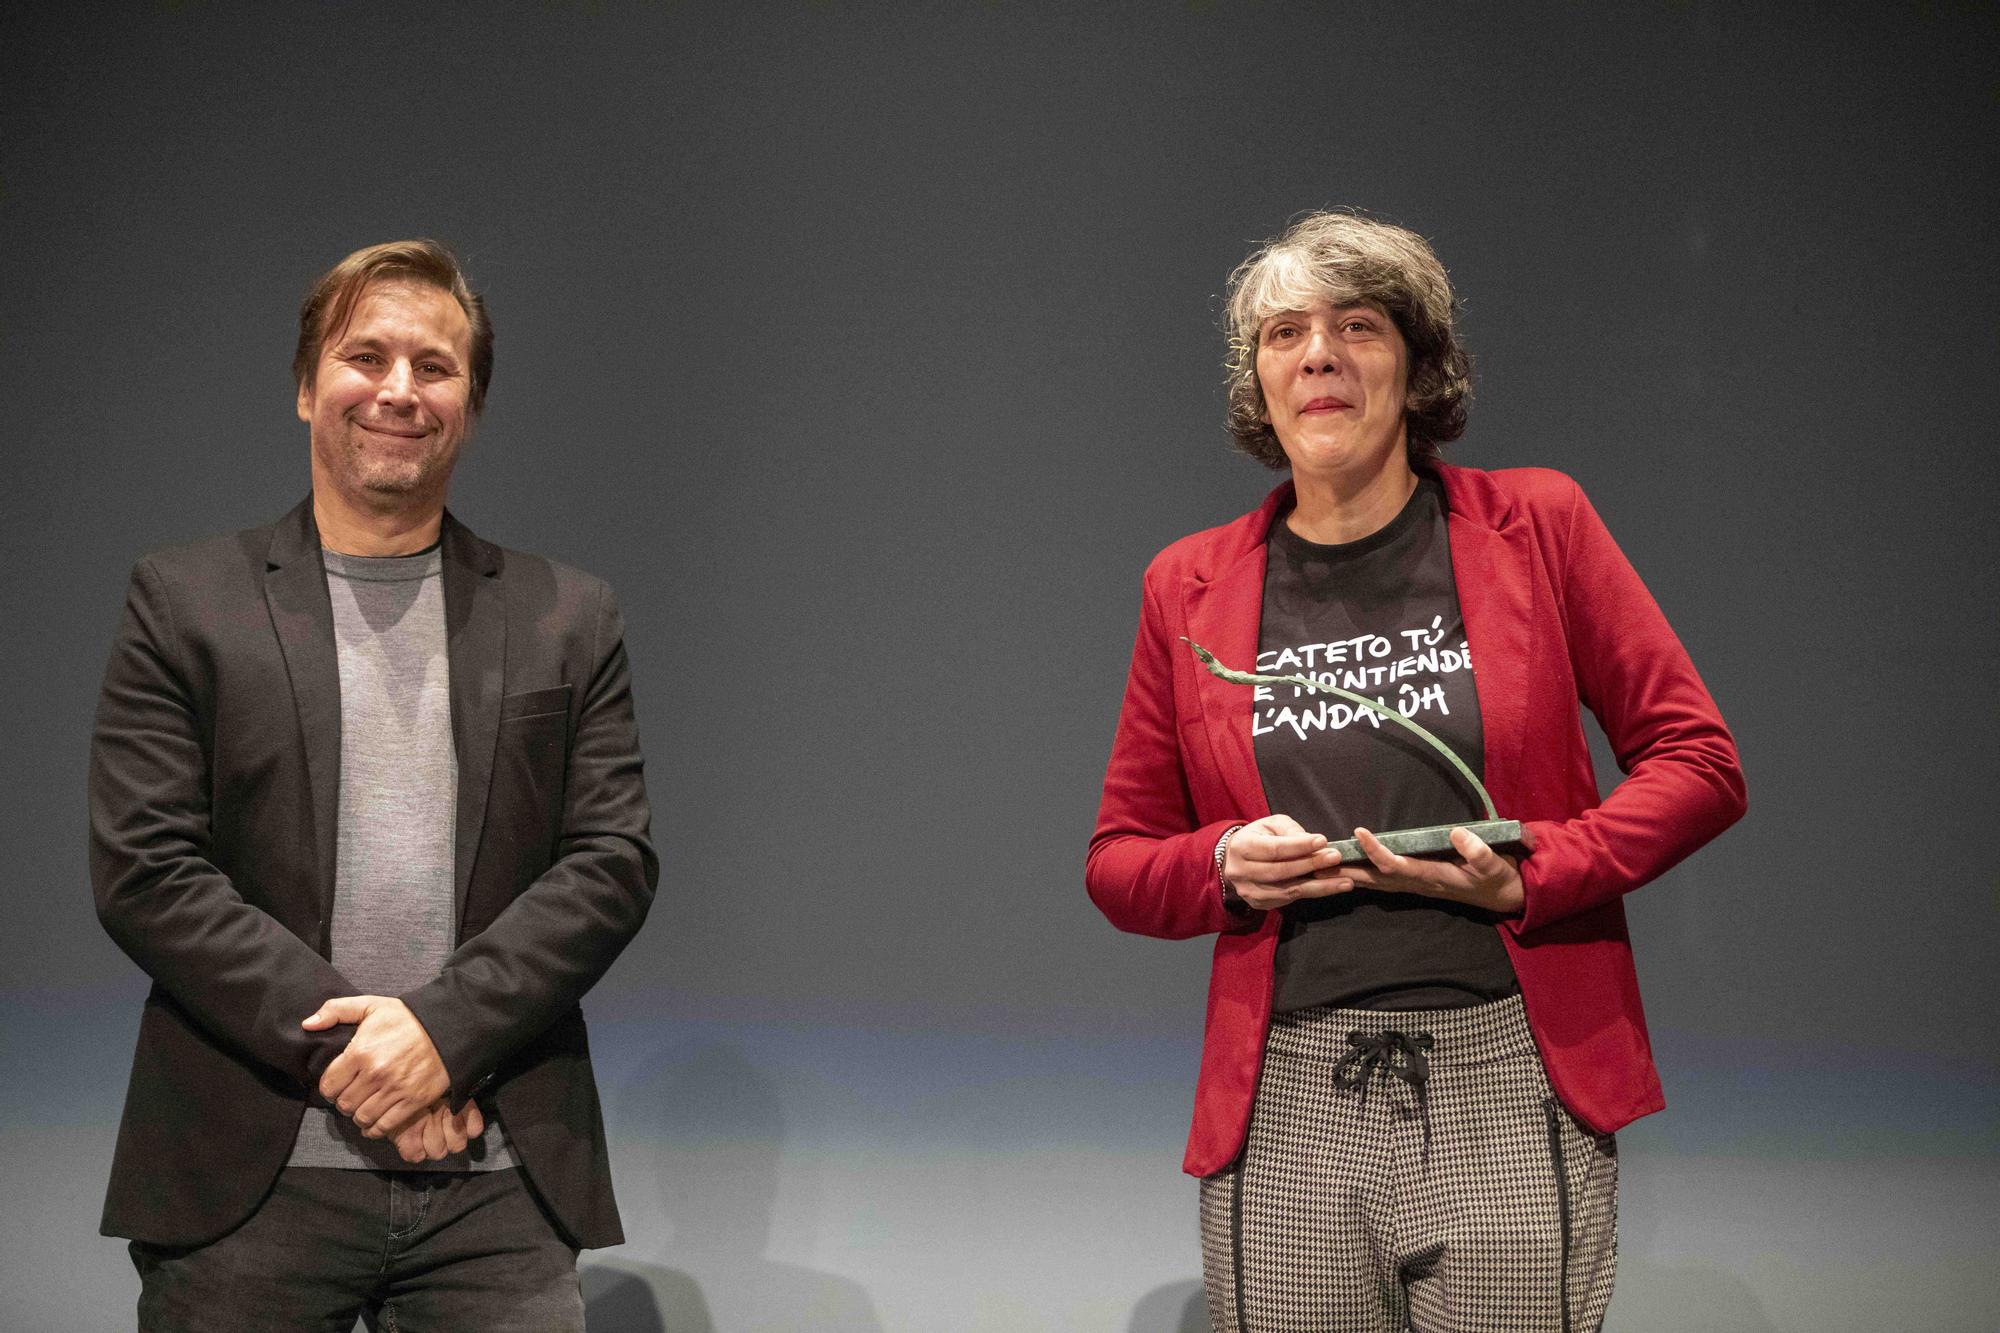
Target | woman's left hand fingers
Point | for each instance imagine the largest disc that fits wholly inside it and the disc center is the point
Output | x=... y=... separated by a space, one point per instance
x=1378 y=855
x=1482 y=860
x=1482 y=877
x=1409 y=874
x=1403 y=871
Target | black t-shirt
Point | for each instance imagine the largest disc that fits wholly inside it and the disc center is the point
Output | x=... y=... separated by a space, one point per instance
x=1380 y=617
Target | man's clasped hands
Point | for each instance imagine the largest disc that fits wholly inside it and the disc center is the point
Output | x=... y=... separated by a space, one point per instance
x=390 y=1080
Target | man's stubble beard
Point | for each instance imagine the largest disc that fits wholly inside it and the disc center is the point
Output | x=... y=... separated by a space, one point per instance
x=391 y=483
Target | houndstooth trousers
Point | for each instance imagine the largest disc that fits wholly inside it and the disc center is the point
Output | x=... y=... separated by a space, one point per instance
x=1410 y=1170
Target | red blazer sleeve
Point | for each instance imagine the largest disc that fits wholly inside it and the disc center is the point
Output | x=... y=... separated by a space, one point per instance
x=1151 y=865
x=1684 y=784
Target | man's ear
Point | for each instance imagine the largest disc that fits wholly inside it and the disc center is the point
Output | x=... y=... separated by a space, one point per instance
x=305 y=402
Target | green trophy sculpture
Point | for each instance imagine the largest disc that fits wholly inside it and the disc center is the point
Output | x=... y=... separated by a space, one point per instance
x=1435 y=840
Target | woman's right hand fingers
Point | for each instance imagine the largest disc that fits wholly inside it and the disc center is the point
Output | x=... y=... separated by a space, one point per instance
x=1274 y=851
x=1274 y=862
x=1266 y=897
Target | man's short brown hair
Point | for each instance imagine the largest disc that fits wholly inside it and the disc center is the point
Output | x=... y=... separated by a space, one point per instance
x=330 y=303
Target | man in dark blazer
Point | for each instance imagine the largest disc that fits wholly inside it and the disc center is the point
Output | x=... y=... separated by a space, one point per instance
x=362 y=742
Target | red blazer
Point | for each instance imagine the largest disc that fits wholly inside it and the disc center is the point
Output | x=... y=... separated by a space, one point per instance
x=1554 y=614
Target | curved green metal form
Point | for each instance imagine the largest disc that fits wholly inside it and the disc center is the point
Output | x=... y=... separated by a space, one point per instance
x=1235 y=677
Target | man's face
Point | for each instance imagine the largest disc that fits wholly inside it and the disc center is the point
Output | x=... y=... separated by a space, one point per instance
x=387 y=402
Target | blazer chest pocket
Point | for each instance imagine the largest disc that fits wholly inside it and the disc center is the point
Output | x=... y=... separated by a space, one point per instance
x=530 y=765
x=553 y=701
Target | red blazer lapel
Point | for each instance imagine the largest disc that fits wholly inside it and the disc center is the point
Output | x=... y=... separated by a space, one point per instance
x=1493 y=564
x=1223 y=616
x=1223 y=602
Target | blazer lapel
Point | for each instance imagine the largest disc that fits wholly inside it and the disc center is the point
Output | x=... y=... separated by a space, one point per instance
x=1492 y=564
x=475 y=612
x=1224 y=606
x=302 y=618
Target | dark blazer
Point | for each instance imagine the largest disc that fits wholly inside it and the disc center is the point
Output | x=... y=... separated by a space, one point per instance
x=1554 y=616
x=214 y=784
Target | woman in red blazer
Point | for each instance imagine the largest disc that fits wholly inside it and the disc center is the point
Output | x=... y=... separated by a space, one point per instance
x=1412 y=1068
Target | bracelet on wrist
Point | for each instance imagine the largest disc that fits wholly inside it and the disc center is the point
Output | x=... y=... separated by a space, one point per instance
x=1232 y=901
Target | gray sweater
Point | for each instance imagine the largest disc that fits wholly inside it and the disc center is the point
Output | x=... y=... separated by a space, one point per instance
x=392 y=897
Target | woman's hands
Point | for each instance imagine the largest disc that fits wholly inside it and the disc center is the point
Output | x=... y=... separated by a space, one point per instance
x=1481 y=877
x=1273 y=863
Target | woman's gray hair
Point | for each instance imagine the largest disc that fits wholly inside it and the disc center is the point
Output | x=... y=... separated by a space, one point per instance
x=1345 y=259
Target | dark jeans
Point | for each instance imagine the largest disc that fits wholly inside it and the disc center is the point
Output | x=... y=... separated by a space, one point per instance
x=408 y=1251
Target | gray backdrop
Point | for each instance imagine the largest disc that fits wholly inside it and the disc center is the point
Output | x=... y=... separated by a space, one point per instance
x=871 y=351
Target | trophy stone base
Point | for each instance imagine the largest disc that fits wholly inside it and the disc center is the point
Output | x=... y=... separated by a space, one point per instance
x=1435 y=841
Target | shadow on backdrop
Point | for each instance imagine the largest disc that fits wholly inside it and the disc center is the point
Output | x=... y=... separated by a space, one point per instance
x=1177 y=1307
x=1650 y=1294
x=718 y=1135
x=622 y=1300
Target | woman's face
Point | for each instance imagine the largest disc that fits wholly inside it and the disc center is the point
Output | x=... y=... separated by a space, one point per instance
x=1335 y=381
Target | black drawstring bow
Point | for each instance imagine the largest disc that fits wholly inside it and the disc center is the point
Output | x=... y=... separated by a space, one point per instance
x=1399 y=1055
